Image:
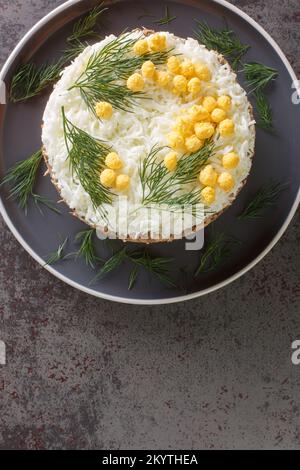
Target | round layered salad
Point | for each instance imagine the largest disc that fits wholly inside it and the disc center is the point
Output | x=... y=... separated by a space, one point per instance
x=147 y=125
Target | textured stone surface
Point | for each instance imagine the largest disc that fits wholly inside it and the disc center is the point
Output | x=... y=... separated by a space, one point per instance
x=211 y=373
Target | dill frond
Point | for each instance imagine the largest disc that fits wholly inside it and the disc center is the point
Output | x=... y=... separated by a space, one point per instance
x=57 y=255
x=157 y=266
x=161 y=187
x=111 y=264
x=217 y=250
x=223 y=41
x=259 y=76
x=30 y=80
x=21 y=179
x=87 y=249
x=166 y=19
x=133 y=277
x=264 y=111
x=87 y=157
x=267 y=196
x=85 y=27
x=44 y=201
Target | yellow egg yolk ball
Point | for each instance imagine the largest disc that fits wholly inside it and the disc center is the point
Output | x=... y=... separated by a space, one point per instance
x=204 y=130
x=230 y=160
x=208 y=176
x=226 y=181
x=104 y=110
x=108 y=178
x=208 y=195
x=135 y=82
x=122 y=182
x=170 y=161
x=113 y=161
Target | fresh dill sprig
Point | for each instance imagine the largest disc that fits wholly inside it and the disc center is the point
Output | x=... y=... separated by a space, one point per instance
x=44 y=201
x=157 y=266
x=224 y=41
x=112 y=263
x=259 y=76
x=87 y=157
x=104 y=70
x=87 y=249
x=85 y=27
x=57 y=255
x=21 y=178
x=217 y=250
x=267 y=196
x=133 y=277
x=264 y=111
x=166 y=19
x=30 y=80
x=162 y=187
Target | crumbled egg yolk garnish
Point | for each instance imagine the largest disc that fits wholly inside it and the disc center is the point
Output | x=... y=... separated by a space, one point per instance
x=230 y=160
x=170 y=161
x=204 y=130
x=180 y=83
x=157 y=42
x=176 y=140
x=122 y=182
x=135 y=82
x=113 y=161
x=187 y=68
x=208 y=176
x=184 y=126
x=226 y=181
x=104 y=110
x=224 y=102
x=141 y=47
x=226 y=127
x=148 y=69
x=163 y=78
x=173 y=64
x=198 y=113
x=193 y=144
x=202 y=72
x=108 y=178
x=209 y=103
x=218 y=115
x=208 y=195
x=194 y=85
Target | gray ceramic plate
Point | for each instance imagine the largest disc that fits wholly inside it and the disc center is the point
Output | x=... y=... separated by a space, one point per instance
x=277 y=157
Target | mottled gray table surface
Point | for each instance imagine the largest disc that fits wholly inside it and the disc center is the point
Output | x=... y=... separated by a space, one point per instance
x=215 y=372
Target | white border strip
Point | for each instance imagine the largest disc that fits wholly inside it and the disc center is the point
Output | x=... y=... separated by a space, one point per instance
x=125 y=300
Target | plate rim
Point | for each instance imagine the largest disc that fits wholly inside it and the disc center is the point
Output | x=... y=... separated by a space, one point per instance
x=18 y=48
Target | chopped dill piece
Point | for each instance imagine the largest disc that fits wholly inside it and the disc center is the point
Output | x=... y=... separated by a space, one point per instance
x=57 y=255
x=166 y=19
x=223 y=41
x=267 y=196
